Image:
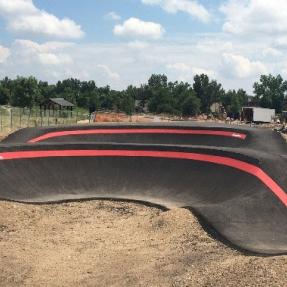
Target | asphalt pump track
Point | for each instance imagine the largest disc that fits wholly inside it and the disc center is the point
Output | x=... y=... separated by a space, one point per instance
x=232 y=177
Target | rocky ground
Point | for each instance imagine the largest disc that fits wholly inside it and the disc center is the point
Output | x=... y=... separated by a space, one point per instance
x=108 y=243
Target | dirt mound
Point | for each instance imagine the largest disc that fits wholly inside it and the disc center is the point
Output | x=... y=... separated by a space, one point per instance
x=106 y=243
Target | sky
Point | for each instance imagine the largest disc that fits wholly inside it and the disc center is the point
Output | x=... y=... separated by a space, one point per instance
x=122 y=42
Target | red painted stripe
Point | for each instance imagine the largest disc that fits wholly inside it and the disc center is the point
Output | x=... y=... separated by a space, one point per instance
x=234 y=163
x=46 y=136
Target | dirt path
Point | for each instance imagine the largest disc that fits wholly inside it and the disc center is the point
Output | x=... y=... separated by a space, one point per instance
x=104 y=243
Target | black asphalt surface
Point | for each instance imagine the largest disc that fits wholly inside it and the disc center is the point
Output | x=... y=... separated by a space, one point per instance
x=240 y=205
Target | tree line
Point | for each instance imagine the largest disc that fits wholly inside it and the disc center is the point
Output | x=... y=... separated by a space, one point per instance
x=158 y=95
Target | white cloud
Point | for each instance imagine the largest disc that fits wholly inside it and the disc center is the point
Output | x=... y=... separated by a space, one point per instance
x=53 y=59
x=17 y=7
x=255 y=16
x=210 y=44
x=121 y=64
x=4 y=54
x=271 y=52
x=137 y=28
x=241 y=67
x=138 y=45
x=199 y=71
x=49 y=54
x=191 y=7
x=281 y=42
x=181 y=67
x=43 y=48
x=187 y=72
x=112 y=75
x=22 y=16
x=113 y=16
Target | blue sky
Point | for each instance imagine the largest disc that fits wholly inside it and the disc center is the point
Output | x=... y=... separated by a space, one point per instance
x=124 y=41
x=91 y=15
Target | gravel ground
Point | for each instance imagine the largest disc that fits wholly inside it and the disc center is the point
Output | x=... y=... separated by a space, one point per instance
x=108 y=243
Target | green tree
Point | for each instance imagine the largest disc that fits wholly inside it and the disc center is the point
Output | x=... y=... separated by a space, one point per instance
x=157 y=81
x=106 y=101
x=128 y=99
x=191 y=105
x=180 y=91
x=46 y=91
x=7 y=86
x=92 y=101
x=161 y=101
x=4 y=95
x=207 y=91
x=143 y=96
x=271 y=91
x=25 y=92
x=233 y=101
x=127 y=104
x=160 y=97
x=87 y=96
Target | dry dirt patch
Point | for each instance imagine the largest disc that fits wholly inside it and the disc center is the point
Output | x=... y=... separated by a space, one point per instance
x=106 y=243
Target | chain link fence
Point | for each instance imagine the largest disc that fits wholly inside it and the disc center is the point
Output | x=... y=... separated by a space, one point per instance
x=13 y=118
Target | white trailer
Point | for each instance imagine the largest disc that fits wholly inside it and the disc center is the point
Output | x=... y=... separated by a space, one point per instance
x=258 y=115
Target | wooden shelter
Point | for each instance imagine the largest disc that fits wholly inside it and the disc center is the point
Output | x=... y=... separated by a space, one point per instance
x=57 y=104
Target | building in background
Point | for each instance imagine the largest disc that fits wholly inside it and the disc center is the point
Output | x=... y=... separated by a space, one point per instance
x=257 y=115
x=56 y=104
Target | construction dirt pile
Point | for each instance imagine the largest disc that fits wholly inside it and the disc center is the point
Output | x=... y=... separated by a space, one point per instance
x=108 y=243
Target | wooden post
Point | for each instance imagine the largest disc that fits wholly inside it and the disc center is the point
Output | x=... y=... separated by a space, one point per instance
x=56 y=118
x=20 y=117
x=11 y=119
x=1 y=122
x=41 y=115
x=49 y=118
x=29 y=115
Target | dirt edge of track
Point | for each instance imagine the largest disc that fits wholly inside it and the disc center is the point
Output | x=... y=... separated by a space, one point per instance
x=108 y=243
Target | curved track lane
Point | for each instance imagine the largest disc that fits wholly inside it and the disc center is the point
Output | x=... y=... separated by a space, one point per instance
x=236 y=183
